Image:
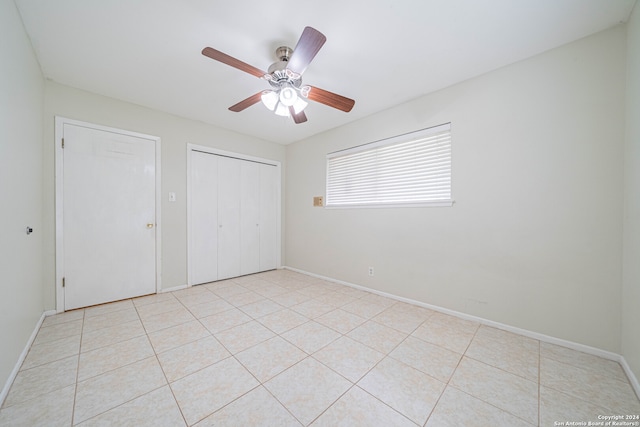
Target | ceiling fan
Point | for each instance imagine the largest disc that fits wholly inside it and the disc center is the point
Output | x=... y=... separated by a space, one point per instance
x=288 y=94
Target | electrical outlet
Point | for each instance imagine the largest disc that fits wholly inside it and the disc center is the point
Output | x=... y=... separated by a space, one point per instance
x=370 y=271
x=318 y=201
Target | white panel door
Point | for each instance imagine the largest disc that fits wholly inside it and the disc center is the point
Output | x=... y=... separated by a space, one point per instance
x=269 y=184
x=228 y=217
x=249 y=217
x=108 y=216
x=203 y=250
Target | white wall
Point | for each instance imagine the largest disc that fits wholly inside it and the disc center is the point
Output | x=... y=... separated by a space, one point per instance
x=534 y=239
x=21 y=100
x=175 y=133
x=631 y=266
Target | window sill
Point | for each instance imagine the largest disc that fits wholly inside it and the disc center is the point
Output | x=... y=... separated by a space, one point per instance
x=439 y=203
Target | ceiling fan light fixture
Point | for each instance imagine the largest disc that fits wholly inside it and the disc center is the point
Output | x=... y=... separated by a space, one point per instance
x=269 y=99
x=288 y=95
x=282 y=110
x=299 y=105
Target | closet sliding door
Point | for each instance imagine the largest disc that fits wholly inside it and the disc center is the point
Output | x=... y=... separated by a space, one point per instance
x=228 y=217
x=203 y=236
x=234 y=216
x=269 y=200
x=249 y=217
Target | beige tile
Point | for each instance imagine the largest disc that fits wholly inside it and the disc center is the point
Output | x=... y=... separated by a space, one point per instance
x=97 y=310
x=283 y=320
x=269 y=290
x=293 y=286
x=428 y=358
x=245 y=298
x=505 y=350
x=379 y=299
x=191 y=291
x=220 y=284
x=63 y=317
x=357 y=293
x=312 y=308
x=310 y=336
x=307 y=389
x=155 y=409
x=403 y=320
x=269 y=358
x=99 y=394
x=501 y=389
x=261 y=308
x=507 y=391
x=289 y=299
x=227 y=291
x=456 y=408
x=377 y=336
x=104 y=359
x=152 y=299
x=225 y=320
x=365 y=308
x=51 y=409
x=447 y=331
x=111 y=335
x=209 y=308
x=249 y=279
x=336 y=299
x=244 y=336
x=93 y=323
x=175 y=336
x=340 y=320
x=258 y=408
x=314 y=291
x=357 y=408
x=407 y=390
x=582 y=360
x=166 y=320
x=195 y=299
x=349 y=358
x=58 y=331
x=32 y=383
x=51 y=351
x=556 y=406
x=205 y=391
x=602 y=390
x=189 y=358
x=148 y=310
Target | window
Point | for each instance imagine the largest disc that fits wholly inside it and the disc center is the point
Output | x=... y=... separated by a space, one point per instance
x=413 y=169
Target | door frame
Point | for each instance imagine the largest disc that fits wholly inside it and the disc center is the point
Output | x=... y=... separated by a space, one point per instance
x=204 y=149
x=59 y=199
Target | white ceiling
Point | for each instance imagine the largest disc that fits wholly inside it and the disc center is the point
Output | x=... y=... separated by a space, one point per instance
x=379 y=52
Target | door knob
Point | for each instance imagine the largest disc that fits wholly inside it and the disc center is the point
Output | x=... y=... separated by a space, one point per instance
x=150 y=225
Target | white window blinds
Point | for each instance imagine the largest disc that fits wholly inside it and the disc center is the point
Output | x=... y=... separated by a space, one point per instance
x=410 y=169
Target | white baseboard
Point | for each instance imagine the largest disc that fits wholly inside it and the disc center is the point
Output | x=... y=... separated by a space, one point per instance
x=535 y=335
x=23 y=355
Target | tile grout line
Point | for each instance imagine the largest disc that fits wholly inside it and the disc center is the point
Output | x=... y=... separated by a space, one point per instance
x=162 y=369
x=539 y=383
x=75 y=391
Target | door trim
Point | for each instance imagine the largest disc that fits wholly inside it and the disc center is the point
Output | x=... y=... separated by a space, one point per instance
x=59 y=168
x=210 y=150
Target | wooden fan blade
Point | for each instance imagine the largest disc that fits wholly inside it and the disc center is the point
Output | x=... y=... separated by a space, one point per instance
x=308 y=46
x=331 y=99
x=245 y=103
x=301 y=117
x=230 y=60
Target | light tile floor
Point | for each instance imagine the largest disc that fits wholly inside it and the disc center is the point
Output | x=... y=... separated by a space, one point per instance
x=284 y=349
